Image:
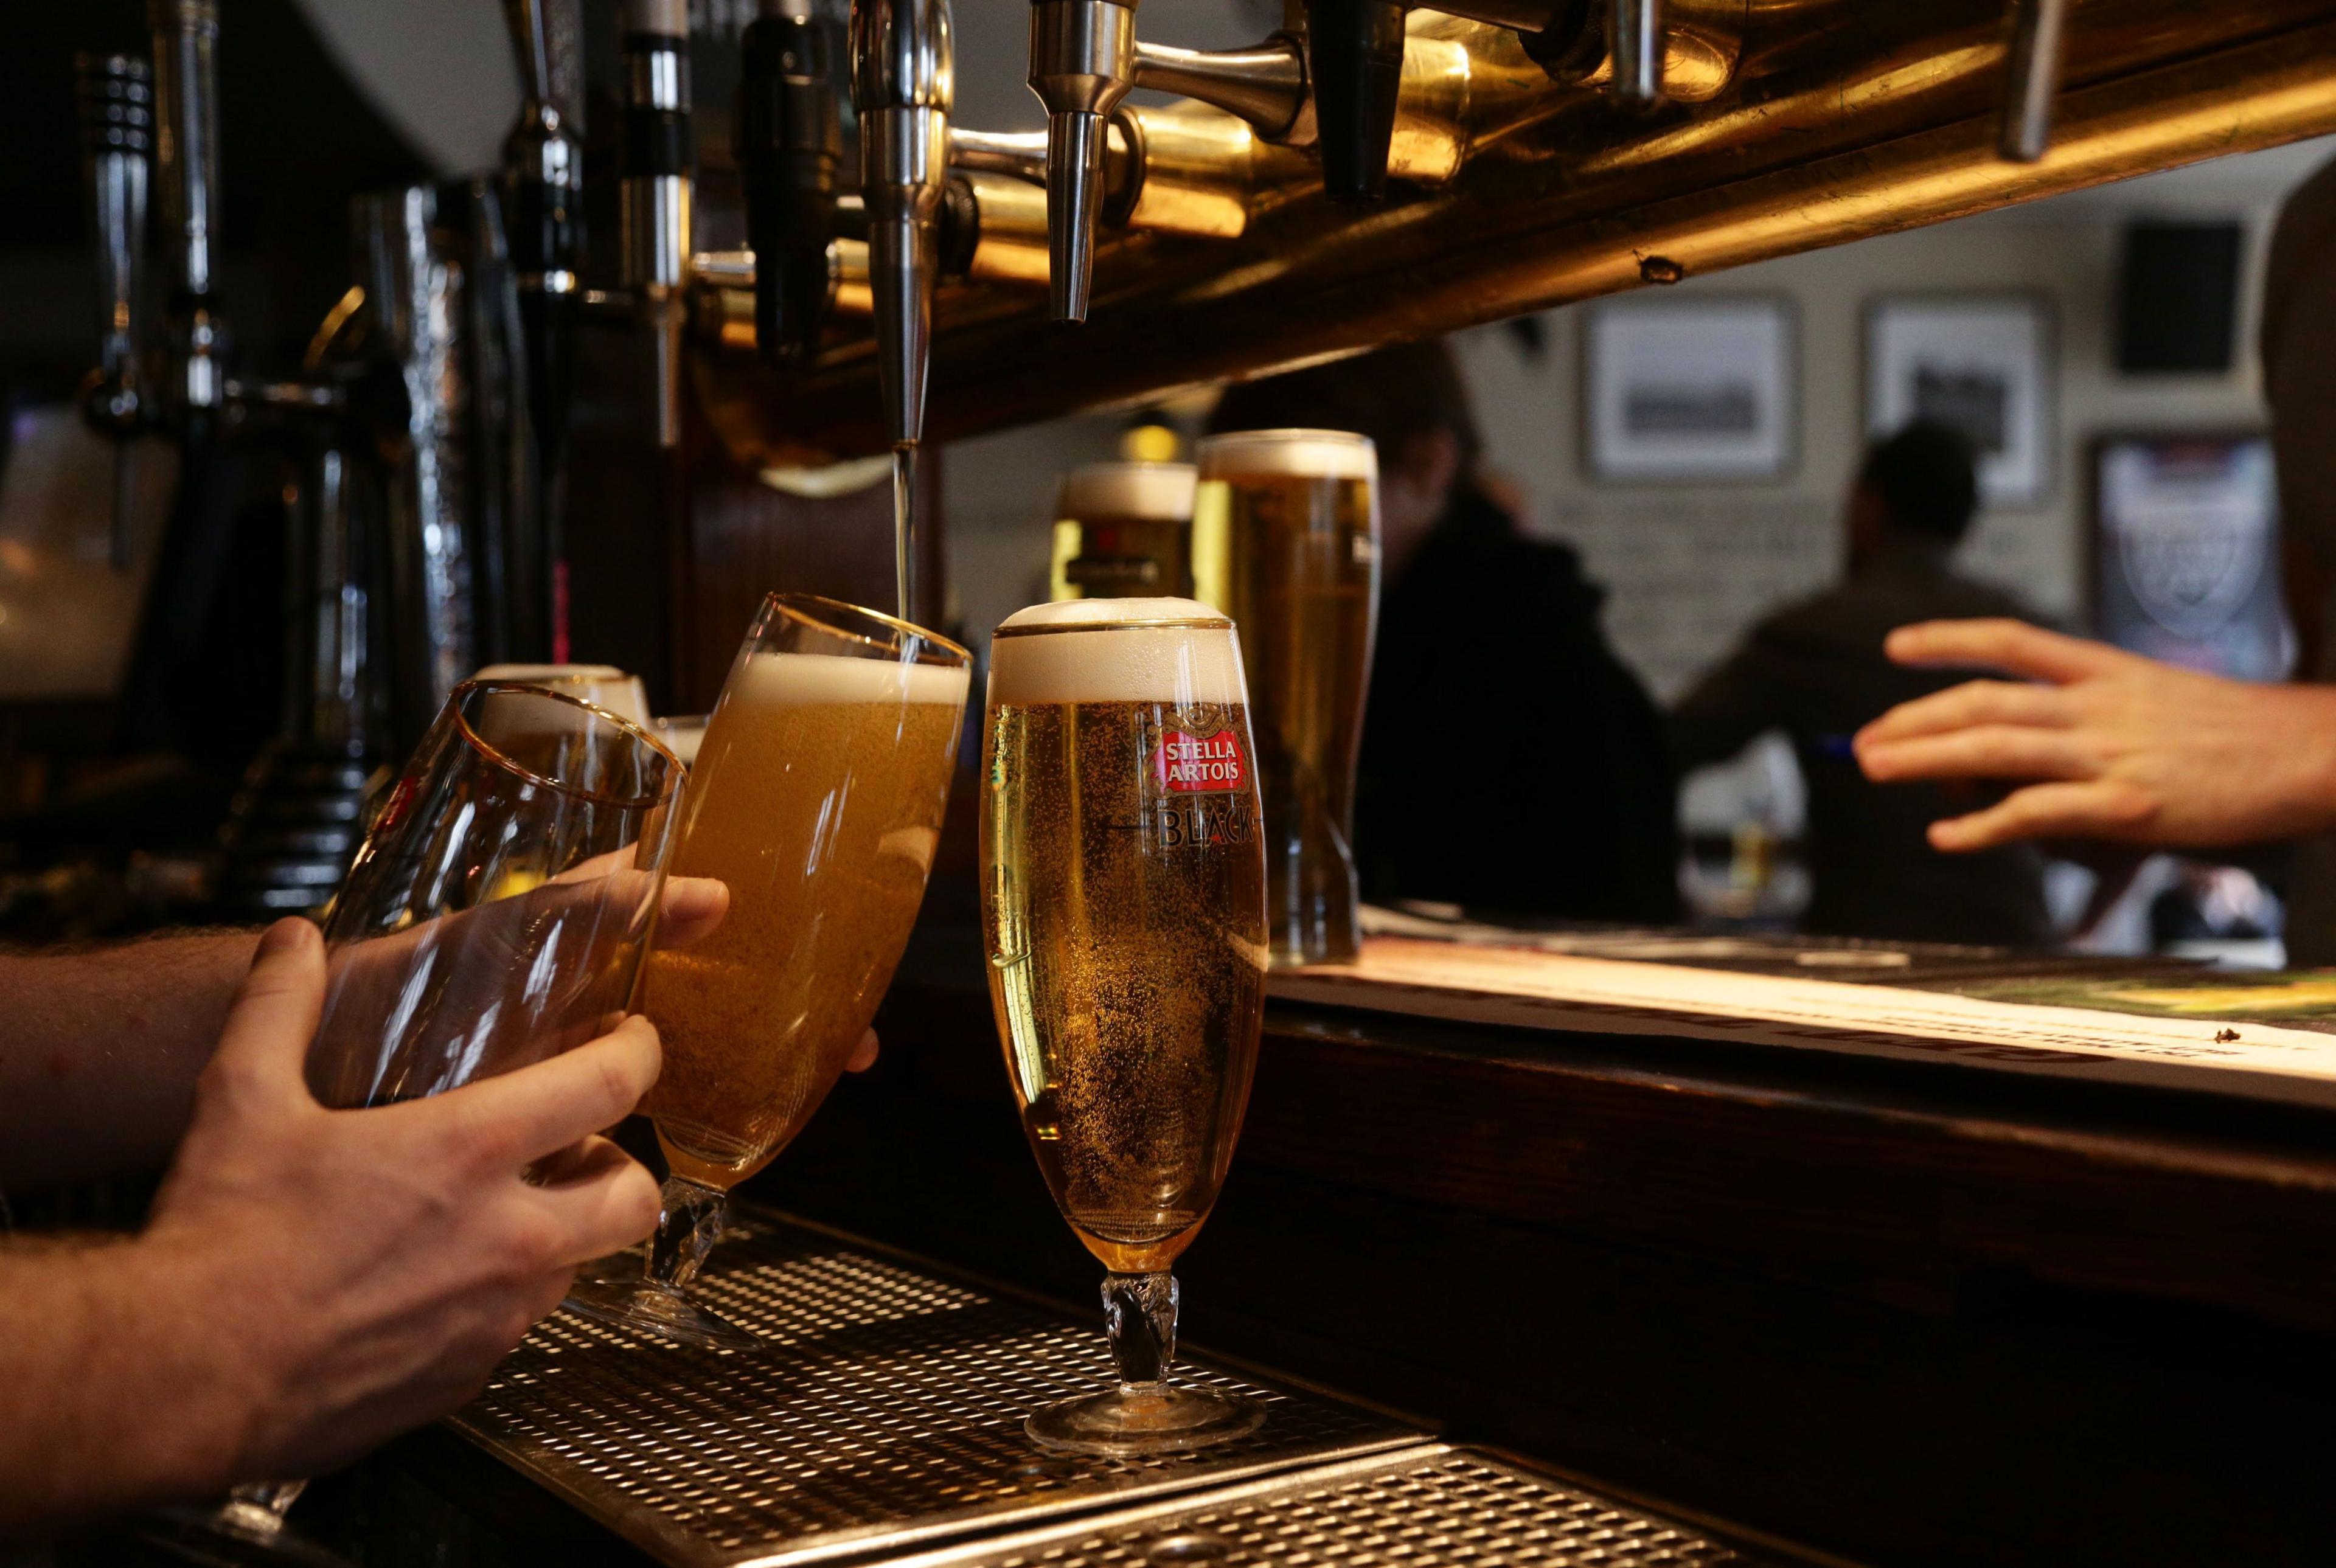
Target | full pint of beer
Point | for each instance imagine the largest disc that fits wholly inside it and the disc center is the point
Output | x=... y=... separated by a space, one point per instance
x=1123 y=531
x=817 y=797
x=1122 y=898
x=1286 y=527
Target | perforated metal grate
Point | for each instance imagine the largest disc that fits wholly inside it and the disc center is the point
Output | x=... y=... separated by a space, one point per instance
x=1432 y=1508
x=888 y=1407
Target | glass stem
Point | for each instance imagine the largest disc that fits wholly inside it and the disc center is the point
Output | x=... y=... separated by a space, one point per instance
x=1139 y=1313
x=689 y=1223
x=258 y=1507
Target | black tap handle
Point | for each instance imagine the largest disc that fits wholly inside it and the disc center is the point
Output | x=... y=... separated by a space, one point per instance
x=1354 y=50
x=789 y=141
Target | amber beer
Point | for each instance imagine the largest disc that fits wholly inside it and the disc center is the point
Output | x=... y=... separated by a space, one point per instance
x=1124 y=898
x=1123 y=531
x=1286 y=528
x=817 y=797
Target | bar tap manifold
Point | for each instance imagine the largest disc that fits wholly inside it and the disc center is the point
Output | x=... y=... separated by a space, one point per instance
x=789 y=139
x=903 y=85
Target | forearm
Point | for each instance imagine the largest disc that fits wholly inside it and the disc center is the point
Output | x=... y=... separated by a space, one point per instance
x=99 y=1052
x=117 y=1389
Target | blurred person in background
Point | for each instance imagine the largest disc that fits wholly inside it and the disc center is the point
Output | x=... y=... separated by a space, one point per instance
x=1511 y=763
x=1817 y=671
x=2111 y=746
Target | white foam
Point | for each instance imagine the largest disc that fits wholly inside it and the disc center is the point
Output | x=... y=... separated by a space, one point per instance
x=804 y=679
x=1087 y=650
x=1305 y=454
x=1160 y=491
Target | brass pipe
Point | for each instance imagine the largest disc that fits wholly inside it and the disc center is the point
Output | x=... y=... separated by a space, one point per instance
x=1830 y=133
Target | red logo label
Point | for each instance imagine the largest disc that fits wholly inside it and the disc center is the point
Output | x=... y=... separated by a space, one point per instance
x=1187 y=764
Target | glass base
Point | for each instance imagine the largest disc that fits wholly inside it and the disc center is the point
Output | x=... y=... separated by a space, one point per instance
x=230 y=1536
x=650 y=1308
x=1138 y=1418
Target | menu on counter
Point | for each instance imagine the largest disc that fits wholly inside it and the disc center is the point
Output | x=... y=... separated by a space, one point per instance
x=2166 y=1022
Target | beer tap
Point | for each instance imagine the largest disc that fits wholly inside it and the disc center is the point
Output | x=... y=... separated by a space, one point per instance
x=655 y=186
x=1084 y=59
x=117 y=95
x=788 y=140
x=186 y=46
x=543 y=179
x=2032 y=66
x=902 y=74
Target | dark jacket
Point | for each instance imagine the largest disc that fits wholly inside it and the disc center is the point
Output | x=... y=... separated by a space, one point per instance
x=1816 y=671
x=1510 y=761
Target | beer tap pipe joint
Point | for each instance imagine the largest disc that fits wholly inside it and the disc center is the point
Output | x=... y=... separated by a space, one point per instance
x=1636 y=43
x=903 y=81
x=2032 y=67
x=1082 y=64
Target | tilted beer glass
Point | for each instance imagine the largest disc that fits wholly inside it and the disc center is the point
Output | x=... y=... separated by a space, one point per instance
x=1123 y=910
x=1286 y=541
x=817 y=797
x=496 y=915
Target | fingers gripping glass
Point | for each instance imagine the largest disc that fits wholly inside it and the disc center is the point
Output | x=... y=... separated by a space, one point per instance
x=496 y=914
x=817 y=796
x=1123 y=884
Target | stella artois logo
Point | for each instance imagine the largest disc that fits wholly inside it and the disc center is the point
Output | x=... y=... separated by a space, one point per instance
x=1192 y=765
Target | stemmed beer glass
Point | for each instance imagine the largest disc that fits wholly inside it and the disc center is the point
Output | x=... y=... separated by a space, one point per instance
x=1123 y=896
x=495 y=916
x=817 y=795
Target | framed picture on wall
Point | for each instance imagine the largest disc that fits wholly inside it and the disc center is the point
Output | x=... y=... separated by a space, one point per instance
x=1979 y=362
x=2184 y=553
x=1696 y=390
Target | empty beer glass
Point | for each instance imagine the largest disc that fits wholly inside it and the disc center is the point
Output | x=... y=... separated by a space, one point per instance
x=495 y=915
x=1285 y=541
x=817 y=797
x=1123 y=894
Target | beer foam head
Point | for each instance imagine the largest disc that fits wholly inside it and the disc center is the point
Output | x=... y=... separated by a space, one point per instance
x=1299 y=453
x=805 y=679
x=1174 y=651
x=1162 y=491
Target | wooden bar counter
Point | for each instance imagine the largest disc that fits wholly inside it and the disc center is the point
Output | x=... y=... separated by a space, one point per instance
x=1903 y=1311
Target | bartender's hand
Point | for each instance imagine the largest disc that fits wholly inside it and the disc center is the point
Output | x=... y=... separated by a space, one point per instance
x=364 y=1270
x=2110 y=744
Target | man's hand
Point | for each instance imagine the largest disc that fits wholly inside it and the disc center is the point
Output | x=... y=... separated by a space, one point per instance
x=358 y=1272
x=2118 y=747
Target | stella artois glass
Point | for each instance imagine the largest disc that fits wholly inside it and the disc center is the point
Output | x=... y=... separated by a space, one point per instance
x=1124 y=909
x=816 y=797
x=1285 y=541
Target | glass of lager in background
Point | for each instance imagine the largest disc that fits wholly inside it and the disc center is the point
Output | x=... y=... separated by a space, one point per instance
x=816 y=797
x=1123 y=910
x=1123 y=531
x=1285 y=539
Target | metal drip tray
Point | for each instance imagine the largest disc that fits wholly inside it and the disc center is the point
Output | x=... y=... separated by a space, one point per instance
x=887 y=1413
x=1433 y=1508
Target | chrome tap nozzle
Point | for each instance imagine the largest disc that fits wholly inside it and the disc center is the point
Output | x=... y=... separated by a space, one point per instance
x=904 y=84
x=1082 y=64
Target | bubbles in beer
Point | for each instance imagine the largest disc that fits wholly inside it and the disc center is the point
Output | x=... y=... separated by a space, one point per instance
x=817 y=798
x=1125 y=910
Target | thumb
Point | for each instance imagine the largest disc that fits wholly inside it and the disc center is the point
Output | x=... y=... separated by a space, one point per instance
x=263 y=1048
